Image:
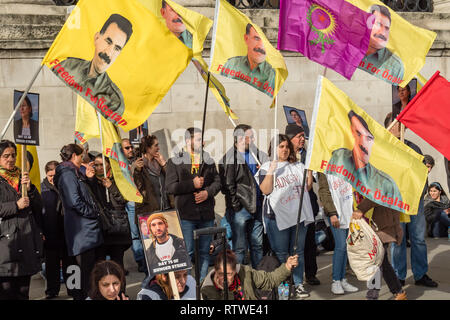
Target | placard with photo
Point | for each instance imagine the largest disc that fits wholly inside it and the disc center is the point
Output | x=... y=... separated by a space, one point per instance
x=163 y=242
x=298 y=117
x=26 y=119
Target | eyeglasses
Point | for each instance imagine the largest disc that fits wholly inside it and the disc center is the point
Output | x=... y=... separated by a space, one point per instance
x=128 y=148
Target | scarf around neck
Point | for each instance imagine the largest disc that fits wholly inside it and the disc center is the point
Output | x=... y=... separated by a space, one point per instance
x=153 y=166
x=235 y=288
x=11 y=176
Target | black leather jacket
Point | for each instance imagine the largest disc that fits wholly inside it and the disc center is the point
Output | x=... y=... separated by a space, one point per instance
x=238 y=184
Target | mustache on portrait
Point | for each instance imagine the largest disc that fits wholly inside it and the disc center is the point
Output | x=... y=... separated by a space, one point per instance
x=104 y=57
x=380 y=36
x=260 y=50
x=364 y=150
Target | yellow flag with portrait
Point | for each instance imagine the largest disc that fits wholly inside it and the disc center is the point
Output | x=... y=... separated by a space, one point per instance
x=347 y=143
x=241 y=51
x=119 y=57
x=87 y=127
x=191 y=28
x=397 y=48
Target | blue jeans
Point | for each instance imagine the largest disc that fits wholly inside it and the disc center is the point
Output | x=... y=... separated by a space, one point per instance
x=419 y=260
x=188 y=227
x=138 y=250
x=340 y=252
x=441 y=220
x=247 y=231
x=282 y=244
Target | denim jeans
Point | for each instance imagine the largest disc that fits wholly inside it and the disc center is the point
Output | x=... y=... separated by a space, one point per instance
x=247 y=232
x=340 y=252
x=138 y=250
x=188 y=227
x=419 y=260
x=282 y=244
x=441 y=220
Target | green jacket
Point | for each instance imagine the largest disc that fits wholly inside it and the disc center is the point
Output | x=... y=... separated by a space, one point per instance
x=251 y=279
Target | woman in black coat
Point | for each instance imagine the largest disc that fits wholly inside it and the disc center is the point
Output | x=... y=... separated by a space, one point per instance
x=81 y=225
x=115 y=242
x=20 y=231
x=436 y=211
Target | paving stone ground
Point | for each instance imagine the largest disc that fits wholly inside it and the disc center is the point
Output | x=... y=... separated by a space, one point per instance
x=439 y=270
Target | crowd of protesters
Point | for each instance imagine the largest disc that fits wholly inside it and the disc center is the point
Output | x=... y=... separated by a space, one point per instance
x=67 y=223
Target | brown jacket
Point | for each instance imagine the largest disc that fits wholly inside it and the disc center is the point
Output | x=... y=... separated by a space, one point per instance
x=386 y=219
x=325 y=196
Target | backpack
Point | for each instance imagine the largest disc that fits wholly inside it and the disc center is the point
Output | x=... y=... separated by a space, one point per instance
x=268 y=263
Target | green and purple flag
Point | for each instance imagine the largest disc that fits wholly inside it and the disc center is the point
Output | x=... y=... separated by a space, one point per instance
x=334 y=33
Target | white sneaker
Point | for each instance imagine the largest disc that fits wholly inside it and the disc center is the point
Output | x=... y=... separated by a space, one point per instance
x=347 y=286
x=336 y=287
x=300 y=292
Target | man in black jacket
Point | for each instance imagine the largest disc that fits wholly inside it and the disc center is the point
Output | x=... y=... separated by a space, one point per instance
x=194 y=182
x=55 y=250
x=242 y=195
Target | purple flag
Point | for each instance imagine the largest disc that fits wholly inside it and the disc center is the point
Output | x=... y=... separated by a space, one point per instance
x=333 y=33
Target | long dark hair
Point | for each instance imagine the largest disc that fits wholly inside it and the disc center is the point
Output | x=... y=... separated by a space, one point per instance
x=103 y=269
x=438 y=186
x=281 y=138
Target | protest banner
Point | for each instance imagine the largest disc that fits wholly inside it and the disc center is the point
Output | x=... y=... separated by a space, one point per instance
x=26 y=121
x=191 y=28
x=428 y=114
x=109 y=53
x=31 y=161
x=87 y=121
x=332 y=33
x=241 y=51
x=348 y=143
x=298 y=117
x=163 y=242
x=397 y=48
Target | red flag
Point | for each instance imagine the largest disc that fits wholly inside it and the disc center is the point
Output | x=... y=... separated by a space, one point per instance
x=428 y=114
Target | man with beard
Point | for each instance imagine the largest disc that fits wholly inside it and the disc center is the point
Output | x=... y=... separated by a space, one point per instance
x=377 y=54
x=356 y=161
x=165 y=246
x=243 y=197
x=91 y=76
x=192 y=178
x=253 y=64
x=176 y=25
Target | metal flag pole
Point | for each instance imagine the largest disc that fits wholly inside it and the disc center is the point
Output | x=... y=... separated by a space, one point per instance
x=203 y=125
x=20 y=102
x=302 y=193
x=103 y=155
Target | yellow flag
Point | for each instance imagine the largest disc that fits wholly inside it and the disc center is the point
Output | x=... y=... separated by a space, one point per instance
x=241 y=51
x=112 y=147
x=191 y=28
x=119 y=57
x=32 y=162
x=397 y=49
x=349 y=144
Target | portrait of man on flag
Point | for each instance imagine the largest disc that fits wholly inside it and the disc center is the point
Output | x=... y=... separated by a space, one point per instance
x=91 y=77
x=253 y=64
x=378 y=55
x=357 y=160
x=175 y=24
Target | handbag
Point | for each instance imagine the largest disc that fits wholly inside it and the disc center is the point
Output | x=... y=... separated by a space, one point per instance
x=114 y=222
x=365 y=250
